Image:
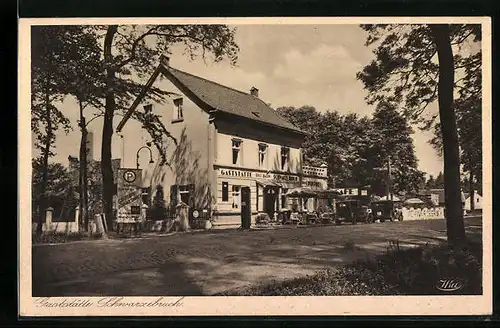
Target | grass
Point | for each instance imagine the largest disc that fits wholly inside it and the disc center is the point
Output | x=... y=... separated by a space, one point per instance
x=414 y=271
x=53 y=237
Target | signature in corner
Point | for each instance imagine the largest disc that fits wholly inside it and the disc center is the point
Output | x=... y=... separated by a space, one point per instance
x=449 y=285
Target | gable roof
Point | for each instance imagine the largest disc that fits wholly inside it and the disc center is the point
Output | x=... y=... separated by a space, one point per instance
x=228 y=100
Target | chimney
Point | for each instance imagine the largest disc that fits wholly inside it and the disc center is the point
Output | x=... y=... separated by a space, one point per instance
x=254 y=92
x=165 y=60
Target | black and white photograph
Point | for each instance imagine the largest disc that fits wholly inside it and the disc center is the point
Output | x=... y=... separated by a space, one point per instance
x=167 y=159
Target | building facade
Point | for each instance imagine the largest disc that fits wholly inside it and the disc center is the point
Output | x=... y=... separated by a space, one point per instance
x=228 y=149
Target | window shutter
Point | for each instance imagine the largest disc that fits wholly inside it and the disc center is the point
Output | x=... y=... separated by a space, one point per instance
x=191 y=195
x=173 y=196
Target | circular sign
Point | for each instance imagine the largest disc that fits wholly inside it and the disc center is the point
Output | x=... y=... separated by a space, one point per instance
x=196 y=214
x=129 y=176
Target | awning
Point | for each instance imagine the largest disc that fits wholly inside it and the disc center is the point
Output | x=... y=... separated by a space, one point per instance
x=267 y=183
x=301 y=192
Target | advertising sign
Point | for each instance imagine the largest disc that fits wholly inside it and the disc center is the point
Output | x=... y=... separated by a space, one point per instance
x=129 y=194
x=285 y=180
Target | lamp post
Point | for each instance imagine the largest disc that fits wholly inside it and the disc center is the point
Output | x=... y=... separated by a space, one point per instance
x=148 y=144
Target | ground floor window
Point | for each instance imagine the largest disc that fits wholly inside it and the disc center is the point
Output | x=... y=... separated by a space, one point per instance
x=236 y=196
x=146 y=196
x=225 y=191
x=184 y=192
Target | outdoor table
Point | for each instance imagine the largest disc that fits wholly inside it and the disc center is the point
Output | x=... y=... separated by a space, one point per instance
x=284 y=215
x=311 y=218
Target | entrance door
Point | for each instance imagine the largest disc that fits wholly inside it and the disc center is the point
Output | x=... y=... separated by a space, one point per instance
x=246 y=213
x=270 y=199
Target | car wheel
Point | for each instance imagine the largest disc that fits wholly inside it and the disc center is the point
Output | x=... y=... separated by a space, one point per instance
x=369 y=218
x=391 y=218
x=400 y=217
x=382 y=220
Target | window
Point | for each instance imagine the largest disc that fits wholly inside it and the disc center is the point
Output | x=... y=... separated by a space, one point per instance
x=146 y=197
x=184 y=194
x=285 y=157
x=225 y=192
x=236 y=197
x=178 y=115
x=262 y=154
x=236 y=151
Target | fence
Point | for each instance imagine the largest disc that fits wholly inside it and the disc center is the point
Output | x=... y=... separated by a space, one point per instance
x=426 y=213
x=62 y=226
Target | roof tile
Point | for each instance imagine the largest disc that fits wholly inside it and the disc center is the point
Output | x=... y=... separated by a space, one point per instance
x=232 y=101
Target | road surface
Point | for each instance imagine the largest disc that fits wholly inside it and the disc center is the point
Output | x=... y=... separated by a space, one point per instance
x=204 y=263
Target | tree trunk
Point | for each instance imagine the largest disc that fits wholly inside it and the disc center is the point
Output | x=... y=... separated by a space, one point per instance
x=453 y=202
x=45 y=165
x=85 y=211
x=80 y=170
x=83 y=217
x=107 y=133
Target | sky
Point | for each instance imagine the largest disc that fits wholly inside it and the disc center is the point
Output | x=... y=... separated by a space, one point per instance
x=291 y=65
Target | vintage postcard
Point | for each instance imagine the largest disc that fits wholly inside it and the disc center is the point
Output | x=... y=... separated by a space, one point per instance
x=336 y=166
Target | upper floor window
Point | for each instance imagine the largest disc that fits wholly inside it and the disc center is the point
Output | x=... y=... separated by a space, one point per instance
x=236 y=145
x=285 y=158
x=178 y=115
x=262 y=154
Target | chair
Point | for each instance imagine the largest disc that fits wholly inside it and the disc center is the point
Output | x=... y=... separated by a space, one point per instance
x=295 y=217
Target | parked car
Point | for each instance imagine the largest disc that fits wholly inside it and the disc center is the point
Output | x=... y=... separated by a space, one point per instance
x=352 y=210
x=387 y=210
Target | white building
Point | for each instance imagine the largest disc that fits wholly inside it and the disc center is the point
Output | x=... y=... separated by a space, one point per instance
x=232 y=148
x=478 y=201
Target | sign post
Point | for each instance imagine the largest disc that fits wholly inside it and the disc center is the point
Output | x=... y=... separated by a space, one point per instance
x=129 y=196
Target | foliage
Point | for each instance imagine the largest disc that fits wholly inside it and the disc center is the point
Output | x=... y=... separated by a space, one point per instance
x=391 y=140
x=435 y=183
x=413 y=271
x=94 y=189
x=57 y=186
x=49 y=49
x=353 y=147
x=405 y=72
x=414 y=66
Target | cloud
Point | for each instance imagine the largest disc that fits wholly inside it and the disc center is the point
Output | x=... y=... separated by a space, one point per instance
x=327 y=64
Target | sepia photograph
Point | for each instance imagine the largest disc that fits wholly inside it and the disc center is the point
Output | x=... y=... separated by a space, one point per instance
x=238 y=158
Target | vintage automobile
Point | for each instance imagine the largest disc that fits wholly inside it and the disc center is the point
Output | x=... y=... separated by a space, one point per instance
x=387 y=210
x=352 y=210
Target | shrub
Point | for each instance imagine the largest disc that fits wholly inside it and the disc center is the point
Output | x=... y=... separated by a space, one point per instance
x=414 y=271
x=54 y=237
x=349 y=245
